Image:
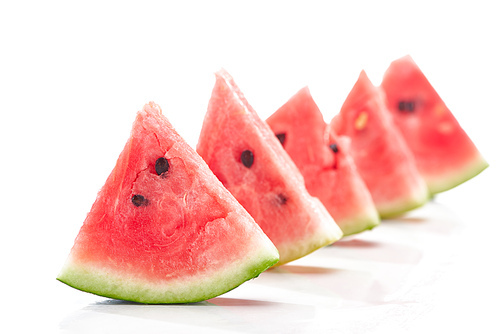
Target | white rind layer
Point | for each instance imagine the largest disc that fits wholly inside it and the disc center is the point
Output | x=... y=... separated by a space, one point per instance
x=205 y=285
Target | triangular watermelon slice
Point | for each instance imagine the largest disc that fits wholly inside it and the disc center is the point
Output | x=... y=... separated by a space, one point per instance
x=381 y=155
x=246 y=156
x=163 y=229
x=325 y=162
x=444 y=153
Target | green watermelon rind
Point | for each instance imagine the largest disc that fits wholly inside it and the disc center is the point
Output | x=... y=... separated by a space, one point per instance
x=329 y=234
x=365 y=221
x=99 y=281
x=457 y=177
x=409 y=203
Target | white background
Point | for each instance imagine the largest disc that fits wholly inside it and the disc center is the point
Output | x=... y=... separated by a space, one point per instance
x=73 y=75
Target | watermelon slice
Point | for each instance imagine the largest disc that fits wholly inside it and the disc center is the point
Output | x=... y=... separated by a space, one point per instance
x=444 y=153
x=325 y=162
x=379 y=151
x=246 y=156
x=163 y=229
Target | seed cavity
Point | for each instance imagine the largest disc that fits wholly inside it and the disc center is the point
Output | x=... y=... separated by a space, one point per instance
x=139 y=200
x=281 y=137
x=247 y=158
x=361 y=120
x=161 y=166
x=406 y=106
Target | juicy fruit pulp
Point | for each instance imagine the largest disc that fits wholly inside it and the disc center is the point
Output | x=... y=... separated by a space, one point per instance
x=163 y=229
x=444 y=153
x=245 y=155
x=379 y=151
x=325 y=162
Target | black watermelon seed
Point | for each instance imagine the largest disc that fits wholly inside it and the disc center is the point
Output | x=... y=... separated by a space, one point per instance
x=161 y=166
x=247 y=158
x=139 y=200
x=281 y=137
x=282 y=199
x=334 y=147
x=406 y=106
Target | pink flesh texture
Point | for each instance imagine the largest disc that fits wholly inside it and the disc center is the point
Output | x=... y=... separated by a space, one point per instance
x=444 y=153
x=272 y=190
x=190 y=225
x=331 y=177
x=381 y=155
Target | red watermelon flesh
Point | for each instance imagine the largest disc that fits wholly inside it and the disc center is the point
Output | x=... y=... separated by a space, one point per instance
x=245 y=155
x=444 y=153
x=325 y=162
x=163 y=229
x=379 y=151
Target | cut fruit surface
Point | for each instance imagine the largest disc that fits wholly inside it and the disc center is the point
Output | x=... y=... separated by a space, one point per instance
x=325 y=162
x=246 y=156
x=163 y=229
x=444 y=153
x=382 y=157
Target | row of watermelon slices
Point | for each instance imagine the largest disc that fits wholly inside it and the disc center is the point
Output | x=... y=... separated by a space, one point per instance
x=175 y=225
